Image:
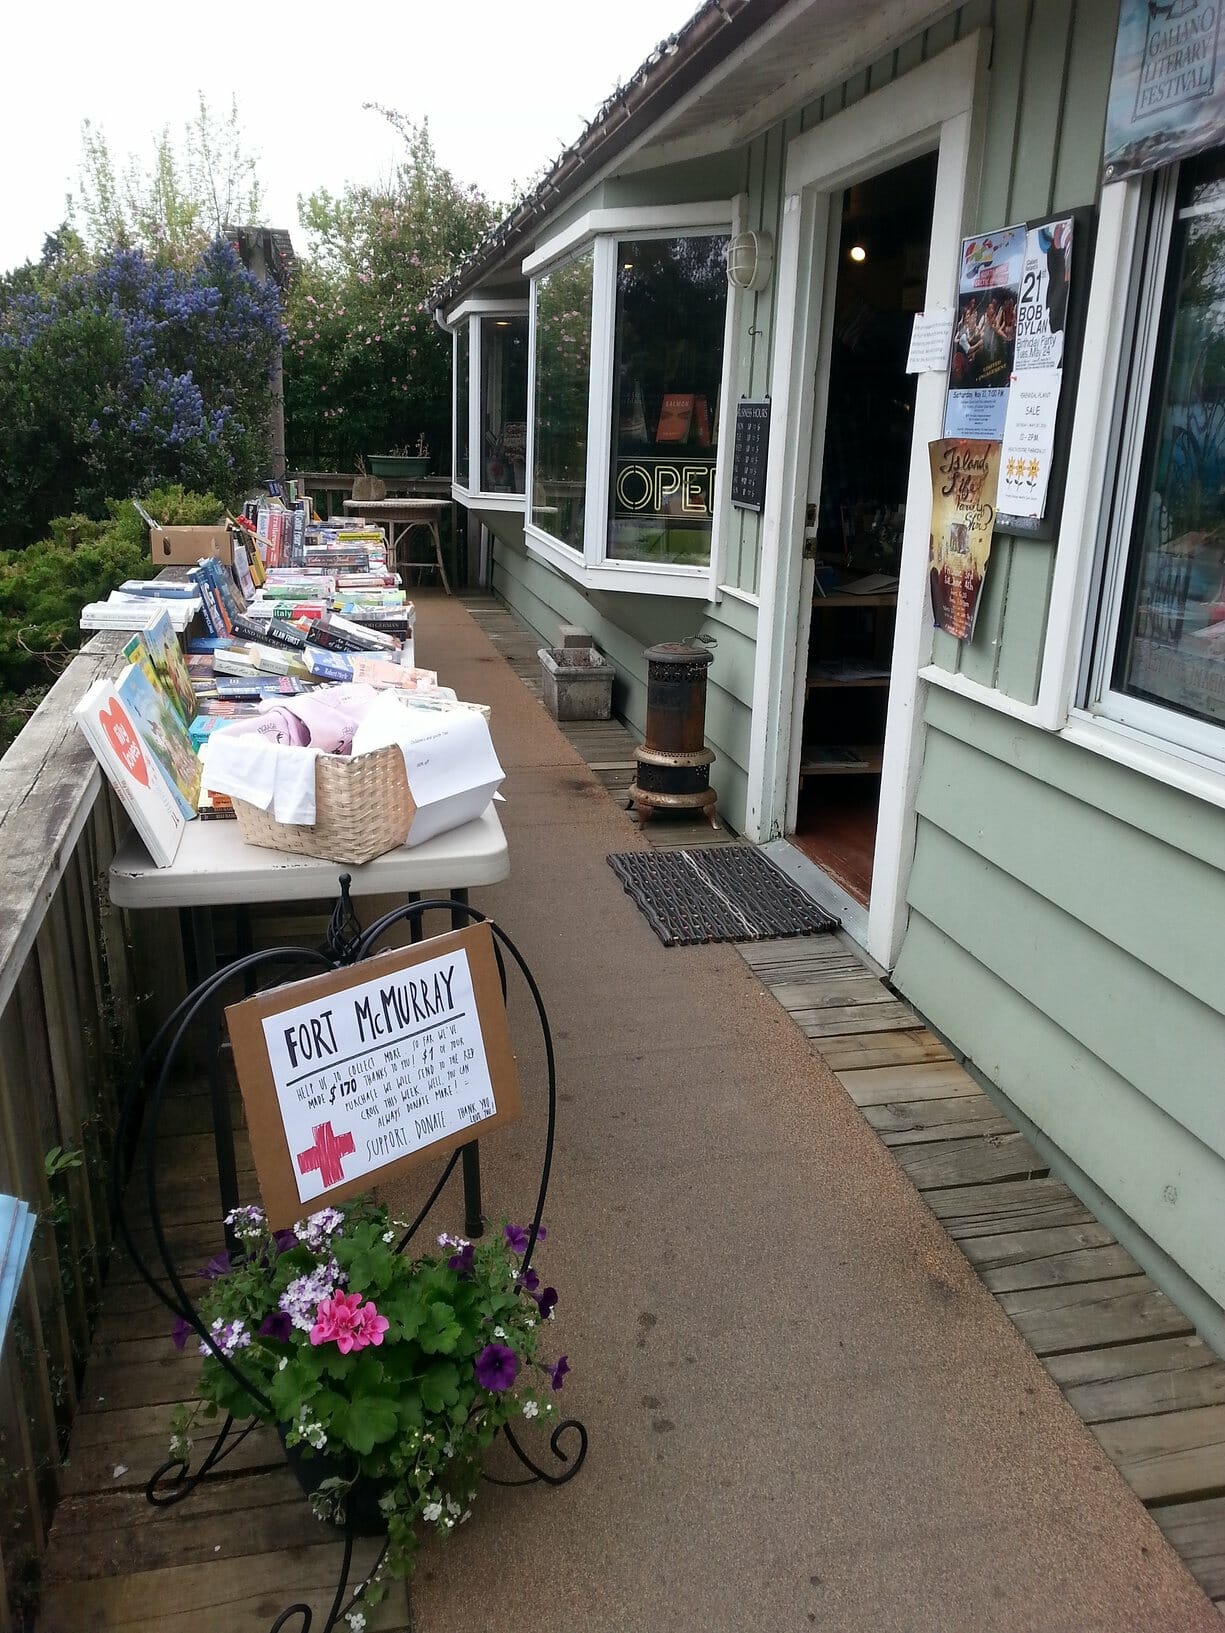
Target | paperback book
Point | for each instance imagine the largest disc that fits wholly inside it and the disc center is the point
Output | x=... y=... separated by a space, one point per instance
x=113 y=728
x=157 y=652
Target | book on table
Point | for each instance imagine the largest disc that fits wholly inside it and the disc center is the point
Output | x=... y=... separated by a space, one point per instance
x=157 y=652
x=114 y=718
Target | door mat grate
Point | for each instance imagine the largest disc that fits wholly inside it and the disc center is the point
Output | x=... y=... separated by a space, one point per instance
x=720 y=893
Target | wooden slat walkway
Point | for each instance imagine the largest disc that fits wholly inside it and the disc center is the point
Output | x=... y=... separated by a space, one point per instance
x=1125 y=1357
x=245 y=1545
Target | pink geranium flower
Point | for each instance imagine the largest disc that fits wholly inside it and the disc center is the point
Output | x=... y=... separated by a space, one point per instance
x=345 y=1321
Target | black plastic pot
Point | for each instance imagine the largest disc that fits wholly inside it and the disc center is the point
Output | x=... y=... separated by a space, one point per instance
x=311 y=1468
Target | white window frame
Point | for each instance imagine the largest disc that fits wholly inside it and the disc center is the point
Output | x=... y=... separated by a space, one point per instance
x=601 y=231
x=1165 y=728
x=468 y=316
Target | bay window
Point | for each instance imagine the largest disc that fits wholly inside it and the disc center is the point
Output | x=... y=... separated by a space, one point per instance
x=490 y=381
x=1159 y=666
x=630 y=318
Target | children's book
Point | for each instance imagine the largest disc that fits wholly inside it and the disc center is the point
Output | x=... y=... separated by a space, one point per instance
x=114 y=735
x=158 y=653
x=163 y=734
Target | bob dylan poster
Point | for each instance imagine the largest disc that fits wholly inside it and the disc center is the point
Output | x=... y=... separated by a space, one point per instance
x=1167 y=99
x=984 y=334
x=965 y=474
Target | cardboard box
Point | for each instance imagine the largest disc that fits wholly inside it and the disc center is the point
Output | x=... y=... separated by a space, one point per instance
x=185 y=546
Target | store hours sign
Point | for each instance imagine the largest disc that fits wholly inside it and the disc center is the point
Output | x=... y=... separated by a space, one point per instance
x=350 y=1077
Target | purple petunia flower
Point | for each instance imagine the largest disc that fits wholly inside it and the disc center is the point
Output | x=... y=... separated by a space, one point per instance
x=529 y=1281
x=547 y=1302
x=462 y=1261
x=218 y=1265
x=285 y=1240
x=516 y=1238
x=558 y=1371
x=276 y=1325
x=497 y=1367
x=182 y=1332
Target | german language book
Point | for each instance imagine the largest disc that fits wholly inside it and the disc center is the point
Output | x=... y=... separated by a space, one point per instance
x=114 y=733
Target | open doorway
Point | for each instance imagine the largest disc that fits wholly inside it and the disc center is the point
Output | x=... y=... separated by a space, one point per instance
x=856 y=524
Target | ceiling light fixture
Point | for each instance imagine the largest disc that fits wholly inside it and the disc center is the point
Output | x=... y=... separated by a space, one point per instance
x=858 y=253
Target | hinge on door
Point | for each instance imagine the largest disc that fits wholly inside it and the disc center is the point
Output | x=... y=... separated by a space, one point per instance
x=810 y=533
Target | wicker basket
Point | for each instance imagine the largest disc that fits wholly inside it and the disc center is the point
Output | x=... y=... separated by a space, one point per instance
x=362 y=809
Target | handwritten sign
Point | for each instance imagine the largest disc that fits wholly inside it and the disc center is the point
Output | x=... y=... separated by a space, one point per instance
x=930 y=339
x=749 y=453
x=353 y=1076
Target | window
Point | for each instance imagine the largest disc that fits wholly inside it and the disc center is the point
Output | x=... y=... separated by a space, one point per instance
x=462 y=381
x=671 y=307
x=503 y=403
x=630 y=447
x=1161 y=667
x=563 y=304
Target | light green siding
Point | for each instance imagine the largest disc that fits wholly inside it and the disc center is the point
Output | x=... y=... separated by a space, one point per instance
x=1065 y=932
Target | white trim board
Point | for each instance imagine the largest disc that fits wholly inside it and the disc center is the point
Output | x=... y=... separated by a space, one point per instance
x=938 y=107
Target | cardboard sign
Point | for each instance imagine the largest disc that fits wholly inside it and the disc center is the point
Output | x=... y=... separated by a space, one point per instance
x=350 y=1078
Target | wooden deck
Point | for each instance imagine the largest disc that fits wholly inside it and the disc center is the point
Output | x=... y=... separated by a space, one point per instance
x=1126 y=1358
x=245 y=1545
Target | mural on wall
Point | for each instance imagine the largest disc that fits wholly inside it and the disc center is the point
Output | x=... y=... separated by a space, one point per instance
x=1167 y=89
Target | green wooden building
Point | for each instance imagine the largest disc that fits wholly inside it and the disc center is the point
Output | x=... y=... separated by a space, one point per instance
x=1025 y=827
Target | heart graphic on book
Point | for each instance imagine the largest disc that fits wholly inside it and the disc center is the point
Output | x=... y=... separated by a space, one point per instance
x=121 y=735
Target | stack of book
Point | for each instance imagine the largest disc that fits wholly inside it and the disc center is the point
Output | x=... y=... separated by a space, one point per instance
x=138 y=602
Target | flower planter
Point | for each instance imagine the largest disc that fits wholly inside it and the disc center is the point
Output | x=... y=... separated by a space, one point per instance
x=311 y=1469
x=577 y=682
x=398 y=465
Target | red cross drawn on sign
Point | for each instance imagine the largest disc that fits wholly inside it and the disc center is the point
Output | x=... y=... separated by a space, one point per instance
x=326 y=1154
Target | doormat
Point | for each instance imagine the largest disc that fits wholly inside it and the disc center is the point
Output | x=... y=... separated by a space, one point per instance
x=717 y=893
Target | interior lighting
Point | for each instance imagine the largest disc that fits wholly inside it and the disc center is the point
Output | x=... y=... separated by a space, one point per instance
x=858 y=253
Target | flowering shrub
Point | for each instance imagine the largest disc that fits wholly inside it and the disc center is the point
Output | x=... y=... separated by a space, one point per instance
x=396 y=1370
x=129 y=374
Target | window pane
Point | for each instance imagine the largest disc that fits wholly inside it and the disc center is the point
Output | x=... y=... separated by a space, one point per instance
x=462 y=374
x=563 y=376
x=503 y=404
x=667 y=363
x=1172 y=640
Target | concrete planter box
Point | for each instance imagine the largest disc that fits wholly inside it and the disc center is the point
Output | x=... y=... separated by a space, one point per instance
x=577 y=682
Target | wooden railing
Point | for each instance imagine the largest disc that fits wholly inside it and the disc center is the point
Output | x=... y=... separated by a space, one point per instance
x=76 y=994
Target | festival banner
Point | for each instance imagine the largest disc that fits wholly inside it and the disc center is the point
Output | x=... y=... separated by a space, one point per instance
x=965 y=474
x=1167 y=89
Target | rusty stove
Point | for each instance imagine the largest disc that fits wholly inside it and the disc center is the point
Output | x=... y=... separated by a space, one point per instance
x=673 y=762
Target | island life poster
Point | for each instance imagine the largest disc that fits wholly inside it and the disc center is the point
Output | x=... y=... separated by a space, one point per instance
x=984 y=334
x=1167 y=88
x=965 y=475
x=1037 y=377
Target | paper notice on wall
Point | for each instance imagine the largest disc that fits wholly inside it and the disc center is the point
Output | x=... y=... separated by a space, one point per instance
x=930 y=339
x=984 y=334
x=1046 y=282
x=965 y=474
x=1029 y=441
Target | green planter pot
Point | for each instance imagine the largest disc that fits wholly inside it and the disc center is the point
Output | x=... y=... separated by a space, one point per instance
x=397 y=465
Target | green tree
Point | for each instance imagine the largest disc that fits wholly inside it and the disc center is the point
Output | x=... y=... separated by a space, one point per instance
x=176 y=206
x=366 y=367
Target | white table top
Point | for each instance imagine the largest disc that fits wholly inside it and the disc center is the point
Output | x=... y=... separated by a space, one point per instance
x=385 y=507
x=215 y=868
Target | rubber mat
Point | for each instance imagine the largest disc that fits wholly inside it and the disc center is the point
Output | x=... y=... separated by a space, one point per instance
x=717 y=893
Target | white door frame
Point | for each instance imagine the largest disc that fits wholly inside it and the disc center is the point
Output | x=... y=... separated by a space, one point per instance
x=939 y=107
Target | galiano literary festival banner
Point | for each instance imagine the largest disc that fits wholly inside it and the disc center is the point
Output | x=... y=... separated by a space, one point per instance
x=965 y=476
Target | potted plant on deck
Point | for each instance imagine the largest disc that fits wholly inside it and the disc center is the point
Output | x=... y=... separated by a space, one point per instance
x=406 y=461
x=386 y=1377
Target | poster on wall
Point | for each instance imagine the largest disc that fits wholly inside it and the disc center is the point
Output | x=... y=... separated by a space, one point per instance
x=965 y=474
x=1167 y=87
x=984 y=334
x=351 y=1077
x=1037 y=378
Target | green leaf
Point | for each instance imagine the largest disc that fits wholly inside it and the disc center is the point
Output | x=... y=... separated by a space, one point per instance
x=440 y=1386
x=365 y=1423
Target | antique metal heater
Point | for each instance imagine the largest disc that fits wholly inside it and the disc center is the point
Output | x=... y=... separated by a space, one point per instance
x=673 y=762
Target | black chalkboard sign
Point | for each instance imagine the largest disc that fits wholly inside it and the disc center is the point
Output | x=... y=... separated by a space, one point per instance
x=749 y=452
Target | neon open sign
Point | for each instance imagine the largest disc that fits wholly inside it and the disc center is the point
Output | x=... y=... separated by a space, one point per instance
x=652 y=486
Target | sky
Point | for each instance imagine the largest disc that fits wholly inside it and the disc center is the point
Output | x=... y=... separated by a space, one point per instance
x=505 y=87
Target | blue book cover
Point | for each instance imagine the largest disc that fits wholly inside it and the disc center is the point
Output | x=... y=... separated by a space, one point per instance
x=16 y=1232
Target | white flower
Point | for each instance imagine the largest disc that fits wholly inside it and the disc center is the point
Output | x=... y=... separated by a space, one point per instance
x=452 y=1506
x=389 y=1236
x=432 y=1512
x=356 y=1620
x=530 y=1409
x=499 y=1332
